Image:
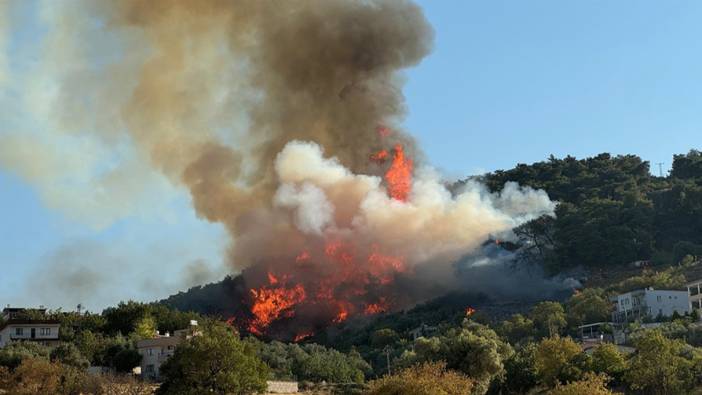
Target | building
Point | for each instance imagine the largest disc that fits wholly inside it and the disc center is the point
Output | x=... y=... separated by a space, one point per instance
x=21 y=324
x=154 y=352
x=649 y=303
x=694 y=295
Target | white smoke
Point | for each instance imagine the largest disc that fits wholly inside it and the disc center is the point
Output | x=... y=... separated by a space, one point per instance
x=325 y=198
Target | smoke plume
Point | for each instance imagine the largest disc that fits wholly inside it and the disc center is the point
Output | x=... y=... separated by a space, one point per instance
x=282 y=121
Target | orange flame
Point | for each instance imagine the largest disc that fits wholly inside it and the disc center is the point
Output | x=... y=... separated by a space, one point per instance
x=469 y=311
x=399 y=175
x=342 y=315
x=273 y=280
x=375 y=308
x=303 y=257
x=302 y=336
x=380 y=157
x=343 y=290
x=270 y=303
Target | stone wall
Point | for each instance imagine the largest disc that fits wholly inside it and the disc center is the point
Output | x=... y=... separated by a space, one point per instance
x=282 y=387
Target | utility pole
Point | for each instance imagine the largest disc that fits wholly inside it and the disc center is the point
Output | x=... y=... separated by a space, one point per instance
x=660 y=169
x=387 y=356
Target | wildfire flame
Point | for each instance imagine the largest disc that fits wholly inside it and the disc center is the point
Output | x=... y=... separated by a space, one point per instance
x=399 y=175
x=380 y=157
x=469 y=311
x=348 y=280
x=344 y=289
x=376 y=308
x=272 y=302
x=302 y=336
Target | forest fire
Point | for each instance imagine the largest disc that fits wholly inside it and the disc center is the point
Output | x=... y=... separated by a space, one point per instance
x=469 y=311
x=346 y=283
x=272 y=302
x=399 y=176
x=349 y=278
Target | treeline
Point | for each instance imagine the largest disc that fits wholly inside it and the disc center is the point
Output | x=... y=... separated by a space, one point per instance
x=611 y=210
x=109 y=340
x=535 y=352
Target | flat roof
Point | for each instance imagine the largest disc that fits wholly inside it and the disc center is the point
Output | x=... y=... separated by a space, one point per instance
x=593 y=324
x=28 y=322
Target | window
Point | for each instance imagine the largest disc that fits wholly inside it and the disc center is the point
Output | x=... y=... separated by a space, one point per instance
x=19 y=331
x=45 y=331
x=658 y=298
x=151 y=351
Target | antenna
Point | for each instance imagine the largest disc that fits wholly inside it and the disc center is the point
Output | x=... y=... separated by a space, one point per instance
x=660 y=169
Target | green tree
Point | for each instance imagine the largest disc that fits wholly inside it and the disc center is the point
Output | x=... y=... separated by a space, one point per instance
x=659 y=365
x=123 y=319
x=13 y=354
x=549 y=318
x=39 y=376
x=145 y=327
x=217 y=362
x=588 y=306
x=429 y=378
x=591 y=384
x=556 y=360
x=125 y=360
x=518 y=329
x=473 y=349
x=687 y=166
x=317 y=363
x=384 y=337
x=520 y=372
x=607 y=359
x=69 y=354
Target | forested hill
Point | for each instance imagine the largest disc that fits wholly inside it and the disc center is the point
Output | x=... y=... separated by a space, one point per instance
x=612 y=210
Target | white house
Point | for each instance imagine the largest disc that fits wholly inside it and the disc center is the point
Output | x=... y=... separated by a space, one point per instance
x=649 y=303
x=20 y=324
x=694 y=294
x=154 y=352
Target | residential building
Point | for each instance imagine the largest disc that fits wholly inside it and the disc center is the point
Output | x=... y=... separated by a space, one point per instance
x=21 y=324
x=155 y=351
x=649 y=303
x=694 y=294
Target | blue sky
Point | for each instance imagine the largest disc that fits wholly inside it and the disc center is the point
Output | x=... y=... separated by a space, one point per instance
x=508 y=82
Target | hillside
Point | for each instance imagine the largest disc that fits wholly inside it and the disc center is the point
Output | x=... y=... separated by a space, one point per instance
x=611 y=210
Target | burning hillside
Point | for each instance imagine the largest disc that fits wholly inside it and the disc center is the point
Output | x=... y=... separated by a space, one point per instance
x=344 y=244
x=281 y=120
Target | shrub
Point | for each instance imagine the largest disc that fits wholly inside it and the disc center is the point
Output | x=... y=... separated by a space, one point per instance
x=591 y=384
x=430 y=378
